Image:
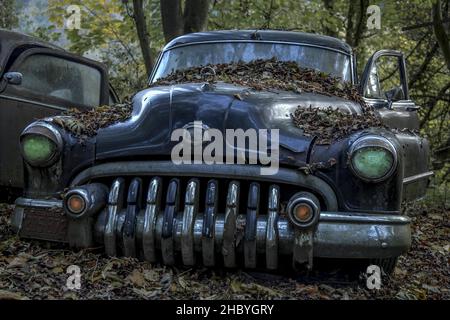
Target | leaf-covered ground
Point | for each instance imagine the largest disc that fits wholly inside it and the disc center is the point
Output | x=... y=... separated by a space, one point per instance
x=36 y=270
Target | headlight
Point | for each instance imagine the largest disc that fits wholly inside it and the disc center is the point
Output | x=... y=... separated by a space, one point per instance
x=41 y=145
x=373 y=158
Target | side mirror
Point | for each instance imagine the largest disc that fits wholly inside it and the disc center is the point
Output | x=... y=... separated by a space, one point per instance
x=14 y=78
x=394 y=94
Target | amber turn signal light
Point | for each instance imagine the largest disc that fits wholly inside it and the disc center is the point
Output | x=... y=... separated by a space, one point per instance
x=76 y=204
x=303 y=212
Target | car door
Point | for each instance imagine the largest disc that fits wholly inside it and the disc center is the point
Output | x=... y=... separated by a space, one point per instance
x=52 y=82
x=384 y=85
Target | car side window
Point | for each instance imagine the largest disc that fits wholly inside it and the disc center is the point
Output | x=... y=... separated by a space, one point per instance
x=53 y=76
x=384 y=79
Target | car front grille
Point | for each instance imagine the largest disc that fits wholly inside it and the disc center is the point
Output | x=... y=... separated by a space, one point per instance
x=215 y=221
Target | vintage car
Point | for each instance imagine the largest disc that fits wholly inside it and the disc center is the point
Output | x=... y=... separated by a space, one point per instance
x=120 y=188
x=39 y=80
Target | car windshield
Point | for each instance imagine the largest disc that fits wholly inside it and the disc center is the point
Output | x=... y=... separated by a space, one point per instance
x=195 y=55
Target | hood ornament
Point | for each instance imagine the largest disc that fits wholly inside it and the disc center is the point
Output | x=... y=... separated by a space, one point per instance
x=208 y=74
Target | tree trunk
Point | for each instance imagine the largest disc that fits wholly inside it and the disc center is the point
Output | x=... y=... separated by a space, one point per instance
x=440 y=33
x=141 y=28
x=195 y=15
x=356 y=22
x=328 y=4
x=172 y=18
x=176 y=22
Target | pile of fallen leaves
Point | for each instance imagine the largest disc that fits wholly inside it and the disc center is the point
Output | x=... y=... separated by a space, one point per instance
x=330 y=124
x=87 y=123
x=37 y=270
x=267 y=75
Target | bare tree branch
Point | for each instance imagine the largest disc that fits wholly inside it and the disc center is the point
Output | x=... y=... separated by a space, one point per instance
x=114 y=32
x=418 y=74
x=141 y=28
x=432 y=103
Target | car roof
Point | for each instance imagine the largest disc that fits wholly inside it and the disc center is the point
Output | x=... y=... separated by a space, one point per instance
x=10 y=40
x=261 y=35
x=7 y=37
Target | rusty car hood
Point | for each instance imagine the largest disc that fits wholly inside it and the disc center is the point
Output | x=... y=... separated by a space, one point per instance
x=159 y=110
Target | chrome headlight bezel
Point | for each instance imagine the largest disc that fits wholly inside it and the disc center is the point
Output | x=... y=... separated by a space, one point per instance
x=46 y=130
x=370 y=141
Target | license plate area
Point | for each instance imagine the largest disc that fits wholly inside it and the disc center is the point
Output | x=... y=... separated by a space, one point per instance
x=48 y=224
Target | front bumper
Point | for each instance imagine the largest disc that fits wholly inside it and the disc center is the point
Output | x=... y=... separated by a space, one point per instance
x=337 y=234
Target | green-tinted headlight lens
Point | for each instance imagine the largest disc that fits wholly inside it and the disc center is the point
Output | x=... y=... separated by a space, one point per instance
x=372 y=162
x=38 y=149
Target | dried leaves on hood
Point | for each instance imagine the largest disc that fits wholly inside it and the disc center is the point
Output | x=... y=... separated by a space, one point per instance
x=330 y=124
x=267 y=75
x=87 y=123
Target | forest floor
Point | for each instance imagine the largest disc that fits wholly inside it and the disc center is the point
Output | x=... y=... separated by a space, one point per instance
x=36 y=270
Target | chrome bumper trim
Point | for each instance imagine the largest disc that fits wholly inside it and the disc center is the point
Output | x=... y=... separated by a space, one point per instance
x=338 y=234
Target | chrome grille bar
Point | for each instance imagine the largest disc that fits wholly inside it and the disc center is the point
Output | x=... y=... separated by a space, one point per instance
x=150 y=215
x=209 y=221
x=129 y=226
x=229 y=227
x=272 y=230
x=115 y=203
x=172 y=201
x=251 y=225
x=187 y=231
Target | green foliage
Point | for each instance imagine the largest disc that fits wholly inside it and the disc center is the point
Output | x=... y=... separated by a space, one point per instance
x=108 y=34
x=8 y=16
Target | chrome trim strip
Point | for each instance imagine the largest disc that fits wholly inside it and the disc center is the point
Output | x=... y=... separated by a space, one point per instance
x=343 y=217
x=258 y=41
x=416 y=177
x=33 y=102
x=40 y=203
x=233 y=171
x=408 y=104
